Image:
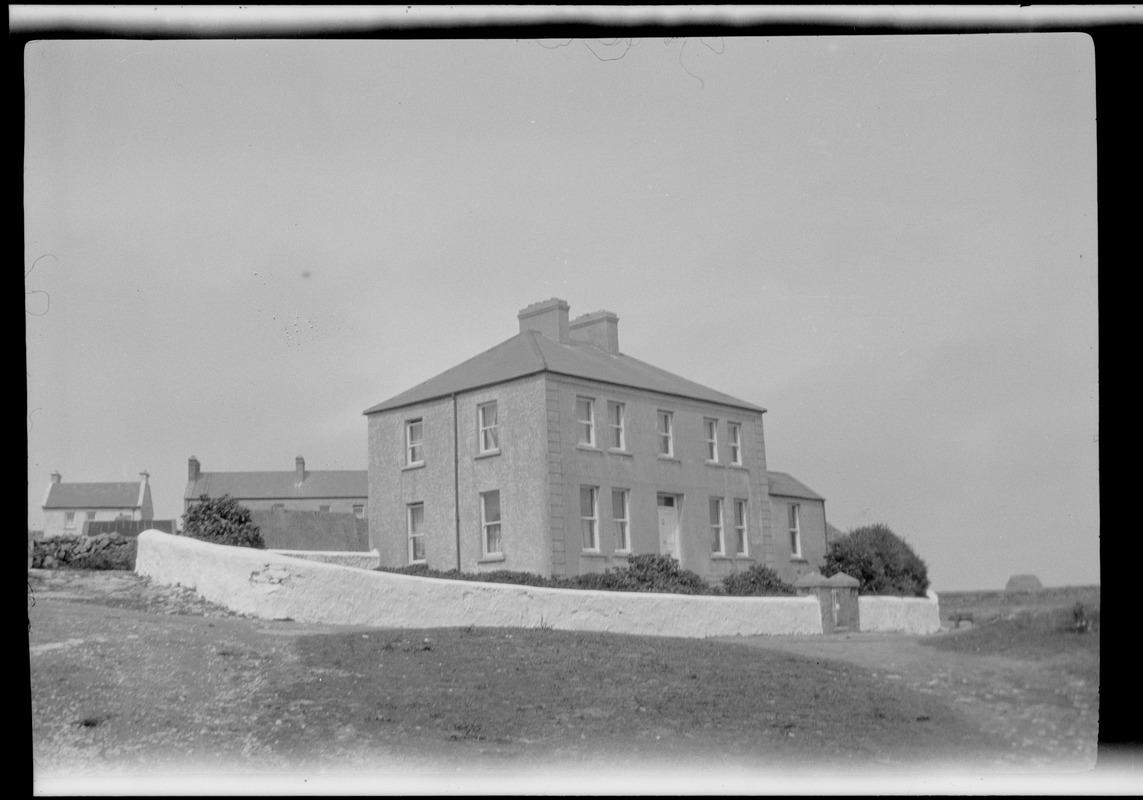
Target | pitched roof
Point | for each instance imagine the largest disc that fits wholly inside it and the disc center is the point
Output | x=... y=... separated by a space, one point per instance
x=784 y=485
x=280 y=485
x=530 y=353
x=92 y=495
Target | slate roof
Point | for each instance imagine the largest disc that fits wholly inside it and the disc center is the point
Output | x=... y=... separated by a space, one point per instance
x=92 y=495
x=784 y=485
x=280 y=485
x=530 y=353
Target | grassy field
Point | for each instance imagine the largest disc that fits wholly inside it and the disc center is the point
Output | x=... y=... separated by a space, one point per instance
x=141 y=680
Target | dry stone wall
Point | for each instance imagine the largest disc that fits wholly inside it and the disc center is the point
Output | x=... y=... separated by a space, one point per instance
x=105 y=551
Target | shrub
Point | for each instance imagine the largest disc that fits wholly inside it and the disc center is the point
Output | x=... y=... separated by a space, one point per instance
x=222 y=521
x=645 y=573
x=661 y=573
x=757 y=581
x=880 y=560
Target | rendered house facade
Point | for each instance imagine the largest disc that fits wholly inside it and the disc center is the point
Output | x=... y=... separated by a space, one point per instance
x=335 y=491
x=555 y=453
x=67 y=506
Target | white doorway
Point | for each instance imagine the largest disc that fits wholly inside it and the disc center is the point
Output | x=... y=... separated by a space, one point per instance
x=669 y=524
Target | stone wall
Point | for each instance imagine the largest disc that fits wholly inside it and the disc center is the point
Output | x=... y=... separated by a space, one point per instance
x=269 y=585
x=918 y=615
x=312 y=530
x=105 y=551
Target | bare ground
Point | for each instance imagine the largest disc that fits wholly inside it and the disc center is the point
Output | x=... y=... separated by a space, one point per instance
x=133 y=678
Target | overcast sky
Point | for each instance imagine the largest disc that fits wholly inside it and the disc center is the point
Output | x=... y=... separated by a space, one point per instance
x=235 y=247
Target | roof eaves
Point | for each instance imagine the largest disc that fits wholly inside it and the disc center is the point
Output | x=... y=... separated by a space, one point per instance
x=381 y=407
x=743 y=405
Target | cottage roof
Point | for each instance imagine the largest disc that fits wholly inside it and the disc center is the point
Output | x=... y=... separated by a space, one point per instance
x=92 y=495
x=530 y=353
x=280 y=485
x=783 y=485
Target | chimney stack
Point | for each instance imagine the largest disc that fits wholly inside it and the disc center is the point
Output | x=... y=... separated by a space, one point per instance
x=192 y=469
x=56 y=477
x=300 y=468
x=600 y=328
x=549 y=317
x=145 y=476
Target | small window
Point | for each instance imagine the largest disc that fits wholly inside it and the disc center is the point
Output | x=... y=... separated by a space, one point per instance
x=490 y=523
x=711 y=427
x=585 y=421
x=69 y=519
x=359 y=511
x=618 y=437
x=740 y=538
x=717 y=546
x=278 y=507
x=734 y=431
x=588 y=497
x=489 y=428
x=795 y=531
x=415 y=513
x=324 y=509
x=414 y=442
x=666 y=434
x=620 y=520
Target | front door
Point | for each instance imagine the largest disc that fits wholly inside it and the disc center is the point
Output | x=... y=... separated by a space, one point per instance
x=669 y=525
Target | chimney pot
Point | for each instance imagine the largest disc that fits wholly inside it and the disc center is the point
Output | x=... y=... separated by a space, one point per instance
x=56 y=477
x=549 y=317
x=300 y=467
x=600 y=328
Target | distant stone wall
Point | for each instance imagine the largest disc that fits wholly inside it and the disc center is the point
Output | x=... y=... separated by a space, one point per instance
x=312 y=530
x=273 y=586
x=105 y=551
x=919 y=615
x=127 y=527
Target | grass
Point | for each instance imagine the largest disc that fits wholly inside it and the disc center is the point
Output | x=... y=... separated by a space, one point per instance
x=1030 y=626
x=549 y=693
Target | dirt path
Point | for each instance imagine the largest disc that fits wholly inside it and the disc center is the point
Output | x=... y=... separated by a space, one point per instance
x=1048 y=712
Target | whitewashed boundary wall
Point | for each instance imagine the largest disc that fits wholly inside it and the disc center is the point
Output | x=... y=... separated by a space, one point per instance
x=919 y=615
x=346 y=558
x=270 y=585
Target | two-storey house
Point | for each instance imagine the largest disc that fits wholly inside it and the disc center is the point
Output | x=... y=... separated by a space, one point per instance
x=555 y=453
x=338 y=491
x=67 y=506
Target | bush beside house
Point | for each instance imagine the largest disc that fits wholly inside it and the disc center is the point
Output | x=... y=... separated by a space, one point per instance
x=222 y=520
x=882 y=562
x=643 y=573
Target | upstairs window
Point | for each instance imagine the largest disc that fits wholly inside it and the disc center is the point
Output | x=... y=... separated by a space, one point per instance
x=69 y=519
x=718 y=543
x=711 y=428
x=489 y=428
x=490 y=524
x=588 y=503
x=795 y=531
x=585 y=421
x=666 y=434
x=618 y=437
x=734 y=431
x=323 y=508
x=359 y=511
x=414 y=442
